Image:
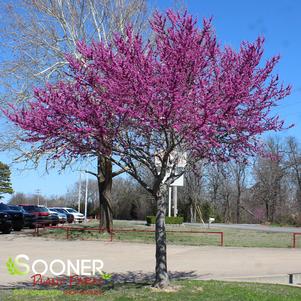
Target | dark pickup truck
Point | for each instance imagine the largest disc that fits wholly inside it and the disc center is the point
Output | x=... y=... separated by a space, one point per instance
x=42 y=215
x=17 y=217
x=29 y=219
x=5 y=223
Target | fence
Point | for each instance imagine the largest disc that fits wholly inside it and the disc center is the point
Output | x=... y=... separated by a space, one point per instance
x=118 y=230
x=294 y=238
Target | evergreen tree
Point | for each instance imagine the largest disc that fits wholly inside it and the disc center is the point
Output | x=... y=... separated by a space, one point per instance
x=5 y=184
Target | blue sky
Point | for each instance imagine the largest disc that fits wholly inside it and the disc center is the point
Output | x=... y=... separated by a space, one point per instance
x=278 y=21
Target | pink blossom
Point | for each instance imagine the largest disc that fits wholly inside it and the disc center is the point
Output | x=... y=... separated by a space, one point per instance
x=136 y=98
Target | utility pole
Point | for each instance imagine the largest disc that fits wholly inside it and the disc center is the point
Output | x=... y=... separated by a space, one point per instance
x=38 y=195
x=86 y=197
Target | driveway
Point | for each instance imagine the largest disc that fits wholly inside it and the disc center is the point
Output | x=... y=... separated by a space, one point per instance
x=136 y=261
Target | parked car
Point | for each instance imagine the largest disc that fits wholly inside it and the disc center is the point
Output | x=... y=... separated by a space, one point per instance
x=78 y=217
x=70 y=217
x=62 y=216
x=17 y=217
x=54 y=216
x=5 y=223
x=41 y=214
x=29 y=218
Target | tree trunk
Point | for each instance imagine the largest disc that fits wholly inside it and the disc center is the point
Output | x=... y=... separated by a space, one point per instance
x=104 y=167
x=162 y=279
x=238 y=206
x=227 y=210
x=191 y=214
x=267 y=211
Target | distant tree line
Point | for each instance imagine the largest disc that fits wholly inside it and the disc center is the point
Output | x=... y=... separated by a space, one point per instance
x=267 y=189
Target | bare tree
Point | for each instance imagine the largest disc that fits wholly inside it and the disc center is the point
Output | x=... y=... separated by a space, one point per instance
x=36 y=36
x=39 y=33
x=269 y=175
x=294 y=164
x=130 y=200
x=238 y=170
x=34 y=199
x=18 y=198
x=193 y=193
x=220 y=189
x=213 y=183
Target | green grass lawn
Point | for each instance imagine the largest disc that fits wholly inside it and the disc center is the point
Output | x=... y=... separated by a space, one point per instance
x=232 y=237
x=183 y=290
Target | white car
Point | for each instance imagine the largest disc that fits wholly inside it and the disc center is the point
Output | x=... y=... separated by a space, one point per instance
x=62 y=216
x=78 y=217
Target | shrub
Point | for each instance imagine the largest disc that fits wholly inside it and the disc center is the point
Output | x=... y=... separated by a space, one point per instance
x=174 y=220
x=207 y=211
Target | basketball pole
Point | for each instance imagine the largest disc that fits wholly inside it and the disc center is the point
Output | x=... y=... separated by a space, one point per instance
x=86 y=197
x=175 y=200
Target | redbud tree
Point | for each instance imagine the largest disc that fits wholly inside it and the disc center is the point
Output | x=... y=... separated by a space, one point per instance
x=142 y=105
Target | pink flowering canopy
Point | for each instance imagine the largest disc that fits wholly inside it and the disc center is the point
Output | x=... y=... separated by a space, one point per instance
x=132 y=100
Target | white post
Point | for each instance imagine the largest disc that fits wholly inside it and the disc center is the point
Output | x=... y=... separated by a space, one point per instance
x=86 y=197
x=79 y=191
x=175 y=200
x=38 y=196
x=169 y=201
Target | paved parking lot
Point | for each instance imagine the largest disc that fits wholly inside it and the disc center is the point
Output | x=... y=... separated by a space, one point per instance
x=272 y=264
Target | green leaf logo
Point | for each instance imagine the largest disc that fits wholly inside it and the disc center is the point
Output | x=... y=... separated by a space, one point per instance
x=12 y=269
x=106 y=276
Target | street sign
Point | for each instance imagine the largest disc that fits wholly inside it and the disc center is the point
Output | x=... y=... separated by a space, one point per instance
x=178 y=182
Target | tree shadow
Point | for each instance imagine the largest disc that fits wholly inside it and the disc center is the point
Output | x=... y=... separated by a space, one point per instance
x=141 y=277
x=135 y=279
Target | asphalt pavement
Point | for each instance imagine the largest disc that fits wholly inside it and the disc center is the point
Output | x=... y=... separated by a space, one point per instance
x=255 y=227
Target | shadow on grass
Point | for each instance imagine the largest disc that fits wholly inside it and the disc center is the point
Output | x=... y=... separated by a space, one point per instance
x=135 y=279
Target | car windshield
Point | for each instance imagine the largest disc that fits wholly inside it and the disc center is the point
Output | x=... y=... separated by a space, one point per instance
x=71 y=210
x=29 y=208
x=35 y=209
x=17 y=208
x=43 y=209
x=4 y=207
x=60 y=210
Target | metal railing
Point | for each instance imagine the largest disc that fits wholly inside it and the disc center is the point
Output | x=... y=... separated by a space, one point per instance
x=114 y=231
x=295 y=234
